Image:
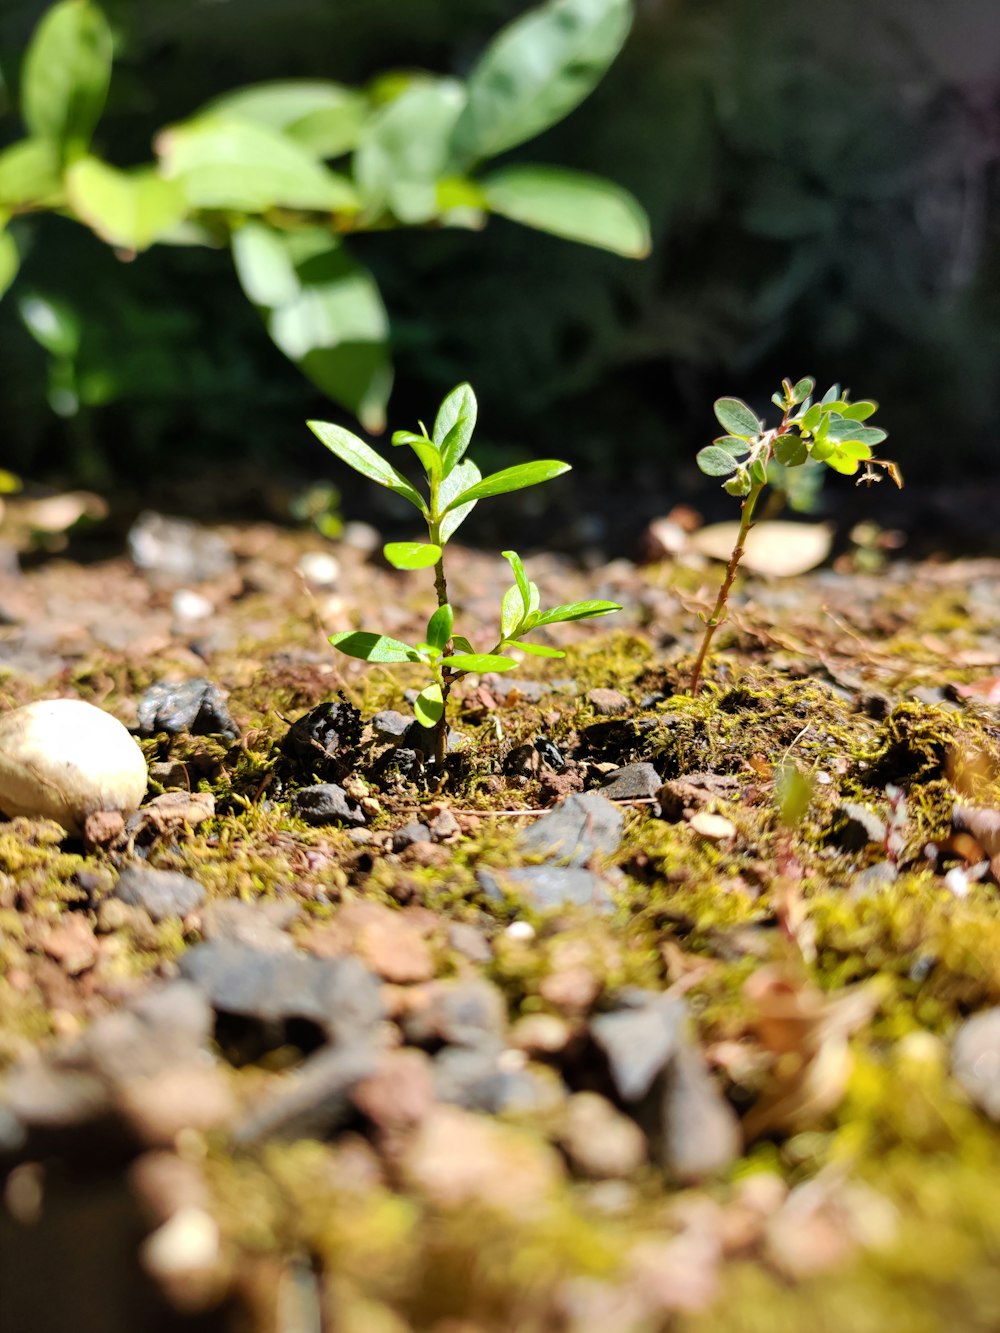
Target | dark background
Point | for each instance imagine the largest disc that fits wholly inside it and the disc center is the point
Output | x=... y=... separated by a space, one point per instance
x=822 y=184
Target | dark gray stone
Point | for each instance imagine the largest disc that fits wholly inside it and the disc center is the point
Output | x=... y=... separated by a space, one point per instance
x=422 y=739
x=854 y=826
x=313 y=1101
x=469 y=941
x=476 y=1081
x=638 y=1043
x=975 y=1060
x=549 y=886
x=698 y=1132
x=502 y=685
x=608 y=703
x=391 y=725
x=340 y=995
x=410 y=833
x=321 y=743
x=873 y=879
x=631 y=782
x=326 y=803
x=161 y=893
x=584 y=824
x=196 y=706
x=460 y=1013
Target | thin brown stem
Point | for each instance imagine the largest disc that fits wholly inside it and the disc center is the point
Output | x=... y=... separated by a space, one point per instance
x=719 y=611
x=441 y=726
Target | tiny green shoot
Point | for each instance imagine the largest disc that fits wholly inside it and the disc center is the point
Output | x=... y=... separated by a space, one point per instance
x=453 y=486
x=831 y=430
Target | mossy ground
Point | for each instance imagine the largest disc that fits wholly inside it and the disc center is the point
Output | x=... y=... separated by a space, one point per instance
x=830 y=691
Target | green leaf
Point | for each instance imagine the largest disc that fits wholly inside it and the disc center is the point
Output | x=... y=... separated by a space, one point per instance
x=821 y=450
x=536 y=649
x=716 y=462
x=831 y=396
x=738 y=485
x=576 y=611
x=428 y=706
x=460 y=478
x=462 y=643
x=732 y=445
x=324 y=311
x=10 y=262
x=790 y=450
x=855 y=449
x=411 y=555
x=812 y=418
x=439 y=626
x=404 y=149
x=737 y=419
x=454 y=424
x=131 y=209
x=360 y=456
x=324 y=117
x=233 y=164
x=512 y=479
x=843 y=430
x=512 y=611
x=478 y=662
x=65 y=76
x=803 y=389
x=843 y=462
x=536 y=71
x=30 y=173
x=793 y=792
x=758 y=472
x=424 y=449
x=571 y=204
x=861 y=410
x=520 y=577
x=373 y=647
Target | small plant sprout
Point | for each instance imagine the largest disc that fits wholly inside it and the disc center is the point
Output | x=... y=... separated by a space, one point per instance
x=831 y=431
x=454 y=487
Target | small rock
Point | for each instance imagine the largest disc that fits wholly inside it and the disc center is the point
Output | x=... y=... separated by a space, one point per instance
x=469 y=1078
x=698 y=1131
x=72 y=944
x=983 y=824
x=873 y=879
x=63 y=759
x=257 y=925
x=188 y=605
x=340 y=995
x=399 y=1093
x=854 y=826
x=444 y=827
x=185 y=1096
x=392 y=943
x=584 y=824
x=600 y=1142
x=504 y=687
x=391 y=725
x=469 y=941
x=161 y=893
x=975 y=1060
x=631 y=782
x=458 y=1158
x=461 y=1013
x=196 y=706
x=169 y=773
x=409 y=834
x=311 y=1102
x=540 y=1034
x=717 y=828
x=175 y=550
x=102 y=828
x=186 y=1247
x=638 y=1043
x=321 y=743
x=549 y=886
x=326 y=803
x=319 y=568
x=608 y=703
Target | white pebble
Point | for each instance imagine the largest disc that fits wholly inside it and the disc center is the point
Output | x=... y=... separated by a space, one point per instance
x=63 y=759
x=188 y=1242
x=187 y=604
x=520 y=930
x=320 y=569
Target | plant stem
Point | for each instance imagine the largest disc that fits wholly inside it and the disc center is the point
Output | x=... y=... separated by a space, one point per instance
x=718 y=614
x=441 y=588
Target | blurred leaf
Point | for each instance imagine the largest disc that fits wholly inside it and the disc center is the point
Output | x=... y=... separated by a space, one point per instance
x=10 y=261
x=790 y=450
x=536 y=71
x=738 y=419
x=716 y=462
x=512 y=611
x=793 y=791
x=439 y=626
x=324 y=117
x=130 y=209
x=479 y=662
x=323 y=310
x=570 y=204
x=30 y=173
x=373 y=647
x=428 y=706
x=412 y=555
x=360 y=456
x=65 y=76
x=535 y=649
x=514 y=560
x=513 y=479
x=53 y=324
x=248 y=167
x=463 y=476
x=454 y=425
x=576 y=611
x=403 y=150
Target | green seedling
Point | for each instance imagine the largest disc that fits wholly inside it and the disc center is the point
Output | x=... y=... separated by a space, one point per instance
x=831 y=431
x=454 y=487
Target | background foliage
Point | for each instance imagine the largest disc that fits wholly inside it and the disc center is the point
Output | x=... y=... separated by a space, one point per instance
x=821 y=185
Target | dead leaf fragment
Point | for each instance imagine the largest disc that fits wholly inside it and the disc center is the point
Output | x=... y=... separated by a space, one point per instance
x=717 y=828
